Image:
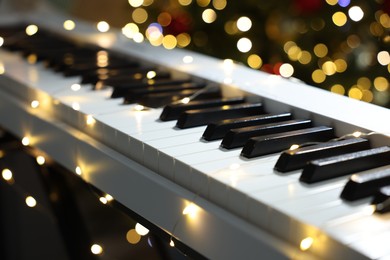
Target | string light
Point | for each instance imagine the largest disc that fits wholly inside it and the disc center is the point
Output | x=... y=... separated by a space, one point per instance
x=96 y=249
x=26 y=141
x=141 y=230
x=90 y=120
x=34 y=104
x=306 y=243
x=78 y=170
x=75 y=87
x=171 y=243
x=30 y=201
x=7 y=174
x=40 y=160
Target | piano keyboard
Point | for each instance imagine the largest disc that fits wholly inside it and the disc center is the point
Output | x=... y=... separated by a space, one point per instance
x=251 y=203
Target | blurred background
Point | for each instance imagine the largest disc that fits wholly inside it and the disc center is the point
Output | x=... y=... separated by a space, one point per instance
x=338 y=45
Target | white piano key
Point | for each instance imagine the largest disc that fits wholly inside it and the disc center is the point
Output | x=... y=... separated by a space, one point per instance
x=352 y=230
x=374 y=246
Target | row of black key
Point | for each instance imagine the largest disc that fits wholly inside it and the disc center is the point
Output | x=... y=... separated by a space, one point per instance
x=129 y=79
x=322 y=156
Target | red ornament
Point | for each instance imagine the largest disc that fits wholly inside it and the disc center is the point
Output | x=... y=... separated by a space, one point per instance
x=308 y=6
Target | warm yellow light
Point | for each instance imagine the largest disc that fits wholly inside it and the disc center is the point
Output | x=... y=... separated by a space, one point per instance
x=30 y=201
x=31 y=29
x=383 y=58
x=136 y=3
x=40 y=160
x=357 y=134
x=338 y=89
x=78 y=170
x=188 y=59
x=219 y=4
x=2 y=68
x=169 y=42
x=130 y=30
x=341 y=65
x=32 y=58
x=355 y=13
x=355 y=93
x=141 y=230
x=244 y=24
x=320 y=50
x=185 y=2
x=185 y=100
x=76 y=106
x=138 y=37
x=139 y=15
x=332 y=2
x=138 y=108
x=339 y=19
x=318 y=76
x=26 y=141
x=133 y=237
x=69 y=25
x=306 y=243
x=103 y=26
x=171 y=243
x=6 y=174
x=244 y=45
x=190 y=210
x=286 y=70
x=329 y=68
x=1 y=41
x=108 y=197
x=75 y=87
x=203 y=3
x=294 y=147
x=254 y=61
x=34 y=104
x=305 y=57
x=96 y=249
x=381 y=84
x=90 y=120
x=103 y=200
x=183 y=40
x=209 y=16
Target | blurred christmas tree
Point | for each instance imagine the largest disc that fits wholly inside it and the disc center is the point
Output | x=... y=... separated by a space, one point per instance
x=338 y=45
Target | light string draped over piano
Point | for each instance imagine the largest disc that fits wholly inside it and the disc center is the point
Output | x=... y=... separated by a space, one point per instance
x=356 y=134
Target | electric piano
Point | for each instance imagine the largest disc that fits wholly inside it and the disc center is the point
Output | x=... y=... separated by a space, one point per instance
x=247 y=202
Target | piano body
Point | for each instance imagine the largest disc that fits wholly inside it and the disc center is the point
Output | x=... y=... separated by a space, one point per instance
x=243 y=208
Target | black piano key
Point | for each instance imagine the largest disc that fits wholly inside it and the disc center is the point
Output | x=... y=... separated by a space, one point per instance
x=218 y=130
x=238 y=137
x=198 y=117
x=173 y=111
x=340 y=165
x=273 y=143
x=365 y=184
x=133 y=95
x=295 y=159
x=162 y=99
x=121 y=90
x=134 y=75
x=382 y=200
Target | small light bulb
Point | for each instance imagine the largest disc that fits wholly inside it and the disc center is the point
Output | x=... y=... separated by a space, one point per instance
x=306 y=243
x=294 y=147
x=141 y=230
x=90 y=120
x=188 y=59
x=78 y=170
x=103 y=200
x=35 y=104
x=41 y=160
x=6 y=174
x=31 y=202
x=76 y=106
x=26 y=141
x=109 y=197
x=75 y=87
x=139 y=108
x=151 y=74
x=190 y=210
x=171 y=243
x=185 y=100
x=357 y=134
x=96 y=249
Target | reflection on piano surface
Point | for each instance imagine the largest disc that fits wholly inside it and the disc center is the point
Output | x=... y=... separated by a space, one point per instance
x=229 y=161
